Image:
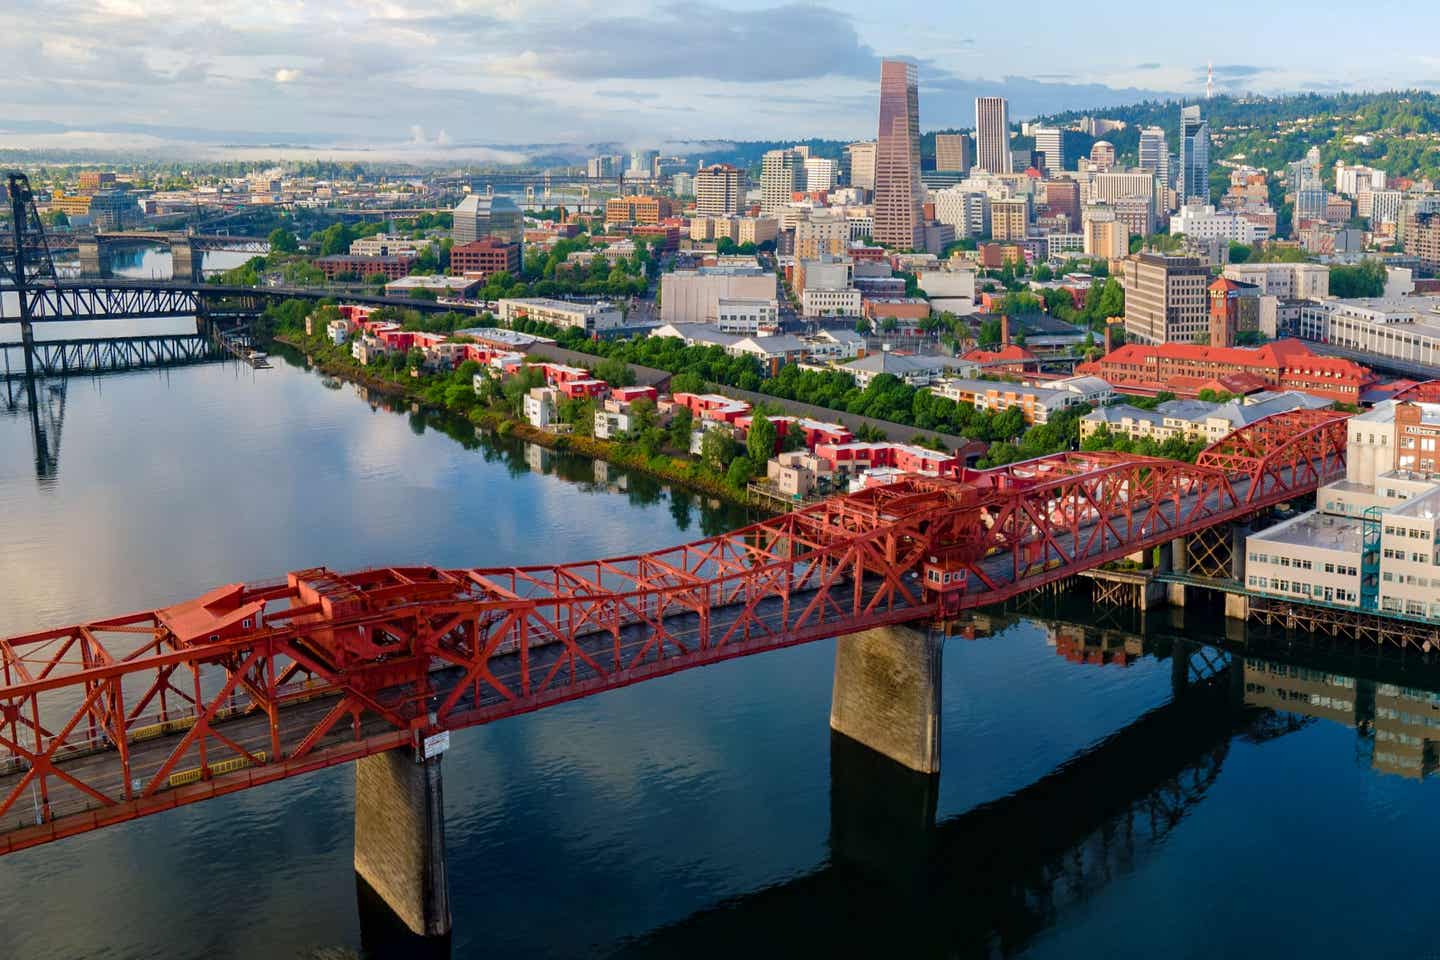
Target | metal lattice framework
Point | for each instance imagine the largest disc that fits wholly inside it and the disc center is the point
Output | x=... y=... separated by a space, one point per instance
x=108 y=720
x=114 y=301
x=1297 y=450
x=68 y=358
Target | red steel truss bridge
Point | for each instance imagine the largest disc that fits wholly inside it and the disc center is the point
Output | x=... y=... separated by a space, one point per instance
x=105 y=721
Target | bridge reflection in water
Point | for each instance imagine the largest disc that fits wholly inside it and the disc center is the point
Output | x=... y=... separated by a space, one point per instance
x=988 y=881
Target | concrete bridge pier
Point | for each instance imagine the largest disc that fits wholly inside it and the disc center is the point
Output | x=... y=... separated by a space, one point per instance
x=887 y=694
x=400 y=838
x=94 y=258
x=187 y=260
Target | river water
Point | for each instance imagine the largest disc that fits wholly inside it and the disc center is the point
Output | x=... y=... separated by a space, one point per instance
x=708 y=813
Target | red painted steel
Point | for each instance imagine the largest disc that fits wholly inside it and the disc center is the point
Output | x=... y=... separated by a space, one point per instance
x=105 y=721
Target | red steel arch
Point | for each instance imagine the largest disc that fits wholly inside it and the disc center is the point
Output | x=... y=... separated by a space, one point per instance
x=108 y=720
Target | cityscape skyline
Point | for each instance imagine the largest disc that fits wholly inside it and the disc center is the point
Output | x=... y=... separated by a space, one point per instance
x=443 y=79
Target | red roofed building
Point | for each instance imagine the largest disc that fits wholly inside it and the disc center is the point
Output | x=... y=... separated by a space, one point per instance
x=1008 y=359
x=1185 y=369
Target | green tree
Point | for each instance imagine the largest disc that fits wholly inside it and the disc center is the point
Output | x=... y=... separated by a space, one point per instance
x=717 y=449
x=283 y=241
x=680 y=427
x=739 y=473
x=760 y=442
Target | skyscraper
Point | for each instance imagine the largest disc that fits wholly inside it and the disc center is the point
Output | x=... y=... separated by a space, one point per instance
x=898 y=191
x=952 y=152
x=719 y=189
x=1194 y=182
x=860 y=164
x=781 y=171
x=1051 y=142
x=992 y=135
x=1155 y=154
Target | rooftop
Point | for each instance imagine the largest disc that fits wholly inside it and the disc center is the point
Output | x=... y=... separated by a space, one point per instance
x=1318 y=530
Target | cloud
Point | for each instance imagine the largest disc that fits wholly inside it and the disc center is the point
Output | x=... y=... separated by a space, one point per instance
x=701 y=41
x=287 y=75
x=1147 y=66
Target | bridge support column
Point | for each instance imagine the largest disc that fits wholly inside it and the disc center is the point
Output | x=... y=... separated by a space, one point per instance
x=400 y=838
x=1179 y=555
x=94 y=259
x=887 y=694
x=186 y=258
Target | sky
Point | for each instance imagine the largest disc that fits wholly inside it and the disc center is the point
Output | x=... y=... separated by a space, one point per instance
x=476 y=79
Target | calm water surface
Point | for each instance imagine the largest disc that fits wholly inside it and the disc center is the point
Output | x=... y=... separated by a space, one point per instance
x=706 y=813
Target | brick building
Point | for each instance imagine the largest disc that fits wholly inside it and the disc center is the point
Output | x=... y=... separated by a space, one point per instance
x=1185 y=369
x=485 y=257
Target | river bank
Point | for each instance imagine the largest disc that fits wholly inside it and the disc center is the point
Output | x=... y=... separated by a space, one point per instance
x=691 y=475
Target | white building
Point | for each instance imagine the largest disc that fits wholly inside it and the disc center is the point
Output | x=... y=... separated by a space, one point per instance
x=590 y=317
x=693 y=296
x=1351 y=181
x=385 y=245
x=1201 y=221
x=830 y=302
x=1288 y=281
x=338 y=331
x=819 y=174
x=745 y=315
x=540 y=406
x=1405 y=329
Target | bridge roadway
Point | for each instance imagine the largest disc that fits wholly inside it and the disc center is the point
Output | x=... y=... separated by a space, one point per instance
x=100 y=768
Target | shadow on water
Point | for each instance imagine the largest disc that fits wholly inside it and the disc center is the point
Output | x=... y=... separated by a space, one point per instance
x=384 y=936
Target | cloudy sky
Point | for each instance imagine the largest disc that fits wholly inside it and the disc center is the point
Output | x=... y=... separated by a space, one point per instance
x=447 y=76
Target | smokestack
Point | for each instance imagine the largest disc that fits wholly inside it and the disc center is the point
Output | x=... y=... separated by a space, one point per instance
x=1107 y=338
x=1004 y=330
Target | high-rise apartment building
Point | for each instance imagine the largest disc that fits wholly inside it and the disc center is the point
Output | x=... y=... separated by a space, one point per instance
x=819 y=174
x=1106 y=238
x=642 y=163
x=952 y=152
x=1010 y=218
x=1063 y=197
x=1422 y=240
x=1155 y=154
x=860 y=164
x=1166 y=299
x=719 y=189
x=898 y=191
x=992 y=135
x=1193 y=184
x=604 y=167
x=1050 y=143
x=781 y=173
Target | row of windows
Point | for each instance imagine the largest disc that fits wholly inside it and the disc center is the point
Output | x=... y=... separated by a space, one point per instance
x=1408 y=579
x=1281 y=561
x=1413 y=534
x=1392 y=553
x=1409 y=739
x=1300 y=673
x=1410 y=719
x=1329 y=594
x=1415 y=608
x=1426 y=443
x=1300 y=696
x=1410 y=693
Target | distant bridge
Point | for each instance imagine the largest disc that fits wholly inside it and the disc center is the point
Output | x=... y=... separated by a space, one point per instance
x=67 y=358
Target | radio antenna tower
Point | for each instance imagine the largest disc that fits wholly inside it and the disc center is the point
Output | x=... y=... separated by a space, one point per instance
x=1209 y=80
